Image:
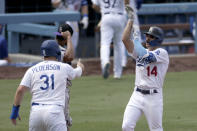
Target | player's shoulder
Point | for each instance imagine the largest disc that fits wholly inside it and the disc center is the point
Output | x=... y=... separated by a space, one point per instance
x=160 y=51
x=66 y=65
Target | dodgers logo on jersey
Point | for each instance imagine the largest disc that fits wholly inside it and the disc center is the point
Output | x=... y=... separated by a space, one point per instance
x=142 y=61
x=157 y=52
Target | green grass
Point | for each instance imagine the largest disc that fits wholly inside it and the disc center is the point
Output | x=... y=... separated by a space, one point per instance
x=98 y=104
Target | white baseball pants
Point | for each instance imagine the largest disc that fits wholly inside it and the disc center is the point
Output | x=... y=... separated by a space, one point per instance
x=112 y=27
x=151 y=105
x=47 y=118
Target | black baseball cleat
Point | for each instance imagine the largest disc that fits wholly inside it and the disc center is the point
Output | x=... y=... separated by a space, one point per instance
x=106 y=71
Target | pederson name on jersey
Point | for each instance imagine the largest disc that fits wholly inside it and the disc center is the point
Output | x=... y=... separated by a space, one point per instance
x=46 y=67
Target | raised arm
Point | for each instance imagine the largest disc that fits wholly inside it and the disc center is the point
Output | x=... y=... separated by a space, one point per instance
x=128 y=29
x=136 y=43
x=69 y=54
x=76 y=72
x=84 y=11
x=126 y=38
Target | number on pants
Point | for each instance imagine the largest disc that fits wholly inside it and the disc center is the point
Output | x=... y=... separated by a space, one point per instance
x=46 y=82
x=152 y=72
x=108 y=4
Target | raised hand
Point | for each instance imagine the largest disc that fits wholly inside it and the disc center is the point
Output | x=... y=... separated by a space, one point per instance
x=130 y=12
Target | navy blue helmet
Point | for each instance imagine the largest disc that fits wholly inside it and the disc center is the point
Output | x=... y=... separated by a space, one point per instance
x=157 y=33
x=51 y=48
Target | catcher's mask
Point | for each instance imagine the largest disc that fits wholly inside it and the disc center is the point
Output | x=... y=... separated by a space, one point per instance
x=157 y=33
x=50 y=48
x=63 y=28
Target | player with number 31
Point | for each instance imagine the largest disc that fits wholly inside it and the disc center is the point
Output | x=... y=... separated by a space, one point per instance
x=46 y=81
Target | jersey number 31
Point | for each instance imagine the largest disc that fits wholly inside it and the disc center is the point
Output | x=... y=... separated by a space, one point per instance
x=46 y=81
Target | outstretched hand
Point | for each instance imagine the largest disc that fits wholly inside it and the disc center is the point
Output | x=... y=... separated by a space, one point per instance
x=80 y=64
x=130 y=12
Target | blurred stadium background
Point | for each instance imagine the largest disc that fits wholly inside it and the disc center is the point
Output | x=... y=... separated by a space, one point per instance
x=178 y=28
x=103 y=109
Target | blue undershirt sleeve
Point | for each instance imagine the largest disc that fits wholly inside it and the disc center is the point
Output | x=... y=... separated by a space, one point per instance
x=139 y=49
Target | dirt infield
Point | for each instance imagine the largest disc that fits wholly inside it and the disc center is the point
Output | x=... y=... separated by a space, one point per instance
x=92 y=67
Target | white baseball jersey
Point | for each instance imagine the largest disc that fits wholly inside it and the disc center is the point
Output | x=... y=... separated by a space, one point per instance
x=116 y=6
x=47 y=81
x=151 y=75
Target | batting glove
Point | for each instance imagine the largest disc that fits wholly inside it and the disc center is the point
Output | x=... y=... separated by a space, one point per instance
x=130 y=12
x=84 y=21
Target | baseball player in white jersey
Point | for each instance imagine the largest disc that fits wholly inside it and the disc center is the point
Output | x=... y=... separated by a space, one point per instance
x=63 y=38
x=73 y=5
x=46 y=81
x=151 y=67
x=135 y=5
x=112 y=26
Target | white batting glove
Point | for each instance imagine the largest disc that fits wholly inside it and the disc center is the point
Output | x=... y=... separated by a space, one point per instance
x=84 y=21
x=130 y=12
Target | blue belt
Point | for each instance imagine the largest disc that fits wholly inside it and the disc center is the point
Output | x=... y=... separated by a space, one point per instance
x=37 y=104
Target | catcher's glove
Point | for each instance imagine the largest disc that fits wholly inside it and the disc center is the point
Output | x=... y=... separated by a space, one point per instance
x=130 y=12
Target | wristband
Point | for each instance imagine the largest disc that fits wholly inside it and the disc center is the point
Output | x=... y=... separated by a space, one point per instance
x=15 y=110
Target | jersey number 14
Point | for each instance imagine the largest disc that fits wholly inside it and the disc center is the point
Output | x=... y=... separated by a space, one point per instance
x=151 y=72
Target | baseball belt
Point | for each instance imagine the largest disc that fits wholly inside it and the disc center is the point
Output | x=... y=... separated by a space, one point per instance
x=146 y=92
x=37 y=104
x=119 y=13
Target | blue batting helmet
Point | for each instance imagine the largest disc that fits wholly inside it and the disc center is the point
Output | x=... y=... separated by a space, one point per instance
x=157 y=33
x=51 y=48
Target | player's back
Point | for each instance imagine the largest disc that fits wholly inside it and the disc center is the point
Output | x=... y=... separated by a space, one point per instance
x=48 y=82
x=111 y=6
